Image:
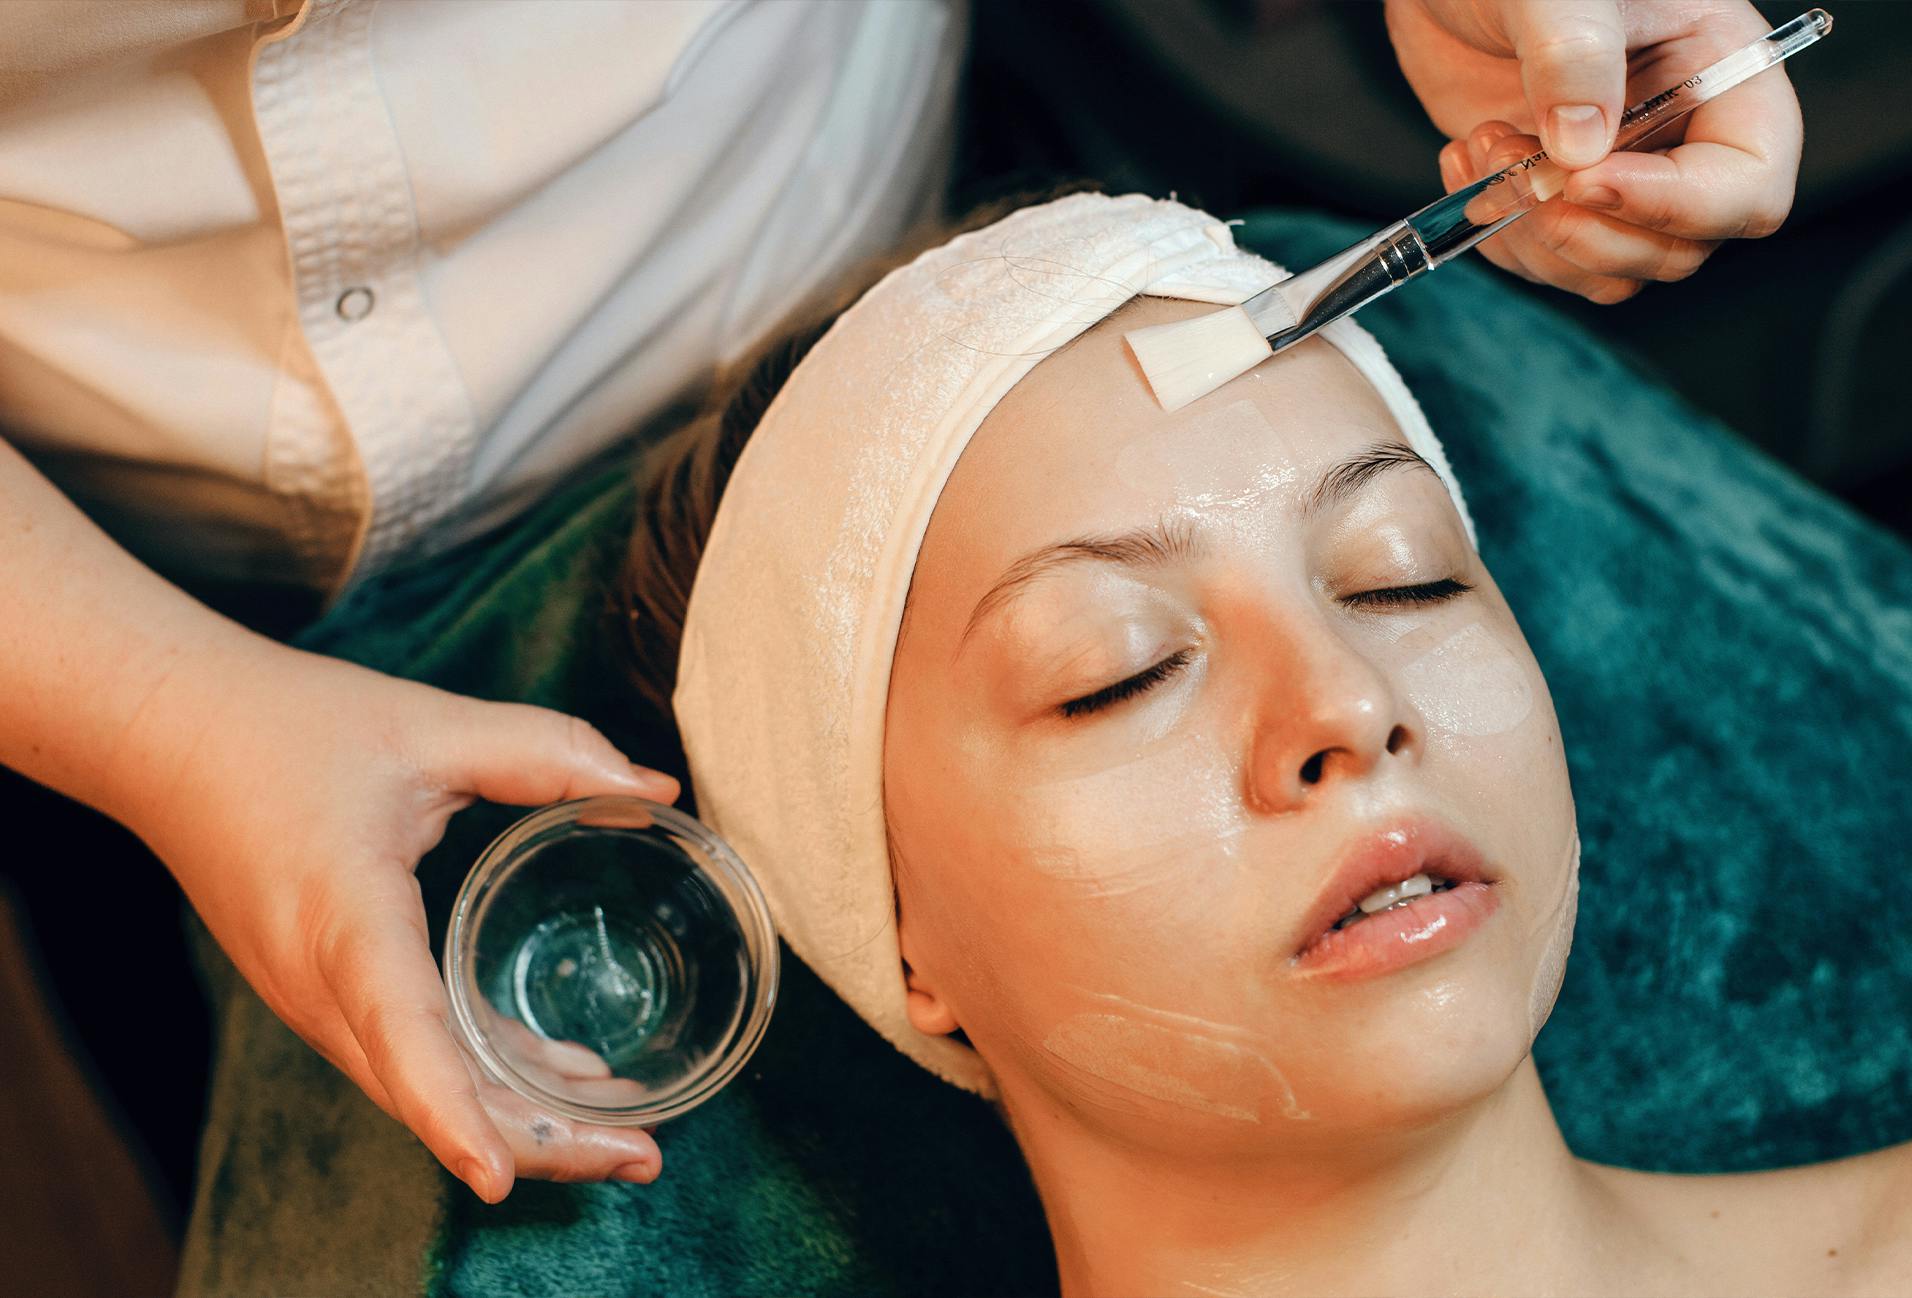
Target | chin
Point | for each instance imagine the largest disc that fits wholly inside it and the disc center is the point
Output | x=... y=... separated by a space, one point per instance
x=1417 y=1053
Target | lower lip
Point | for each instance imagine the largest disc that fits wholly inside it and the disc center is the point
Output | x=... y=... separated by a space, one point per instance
x=1394 y=939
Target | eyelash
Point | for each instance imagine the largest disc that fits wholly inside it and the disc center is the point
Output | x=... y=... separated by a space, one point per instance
x=1431 y=592
x=1136 y=684
x=1428 y=592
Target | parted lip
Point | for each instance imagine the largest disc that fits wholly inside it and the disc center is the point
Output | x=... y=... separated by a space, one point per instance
x=1378 y=857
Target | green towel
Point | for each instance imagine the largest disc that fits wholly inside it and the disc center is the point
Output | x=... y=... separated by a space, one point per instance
x=1730 y=653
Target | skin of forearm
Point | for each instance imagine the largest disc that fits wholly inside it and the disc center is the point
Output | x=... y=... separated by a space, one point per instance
x=103 y=663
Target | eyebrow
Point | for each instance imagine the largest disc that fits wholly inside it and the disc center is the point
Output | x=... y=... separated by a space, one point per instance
x=1355 y=472
x=1171 y=540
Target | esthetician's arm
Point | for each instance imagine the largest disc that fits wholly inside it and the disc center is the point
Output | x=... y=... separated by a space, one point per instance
x=1493 y=74
x=292 y=795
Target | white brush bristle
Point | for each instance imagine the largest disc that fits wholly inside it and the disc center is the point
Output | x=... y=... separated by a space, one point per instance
x=1187 y=359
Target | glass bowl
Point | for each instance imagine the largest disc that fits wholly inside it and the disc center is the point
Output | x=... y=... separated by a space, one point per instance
x=611 y=960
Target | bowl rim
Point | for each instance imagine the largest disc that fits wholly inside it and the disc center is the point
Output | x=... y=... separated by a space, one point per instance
x=502 y=859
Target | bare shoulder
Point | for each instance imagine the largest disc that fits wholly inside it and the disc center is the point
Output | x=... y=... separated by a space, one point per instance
x=1843 y=1227
x=1886 y=1179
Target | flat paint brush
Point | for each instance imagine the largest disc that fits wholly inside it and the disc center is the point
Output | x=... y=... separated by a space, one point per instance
x=1188 y=359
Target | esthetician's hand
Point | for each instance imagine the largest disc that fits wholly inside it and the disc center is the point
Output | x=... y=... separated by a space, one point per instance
x=293 y=800
x=1492 y=74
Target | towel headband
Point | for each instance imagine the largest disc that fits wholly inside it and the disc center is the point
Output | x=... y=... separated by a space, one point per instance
x=783 y=675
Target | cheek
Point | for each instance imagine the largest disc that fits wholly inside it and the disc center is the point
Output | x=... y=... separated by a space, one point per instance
x=1471 y=684
x=1126 y=1057
x=1124 y=878
x=1492 y=741
x=1023 y=881
x=1121 y=878
x=1496 y=751
x=1558 y=926
x=1138 y=820
x=1147 y=1002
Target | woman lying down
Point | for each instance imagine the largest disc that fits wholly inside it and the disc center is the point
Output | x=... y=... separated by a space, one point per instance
x=1180 y=782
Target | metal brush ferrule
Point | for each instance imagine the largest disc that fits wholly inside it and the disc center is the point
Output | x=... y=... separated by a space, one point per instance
x=1355 y=277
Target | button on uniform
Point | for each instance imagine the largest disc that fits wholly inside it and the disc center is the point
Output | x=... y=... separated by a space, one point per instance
x=355 y=304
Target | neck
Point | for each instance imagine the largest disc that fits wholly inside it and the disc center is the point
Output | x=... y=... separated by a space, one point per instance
x=1486 y=1201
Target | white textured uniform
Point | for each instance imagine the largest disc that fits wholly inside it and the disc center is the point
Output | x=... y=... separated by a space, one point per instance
x=288 y=290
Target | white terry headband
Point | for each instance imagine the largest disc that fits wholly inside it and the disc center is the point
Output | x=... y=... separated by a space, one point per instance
x=783 y=678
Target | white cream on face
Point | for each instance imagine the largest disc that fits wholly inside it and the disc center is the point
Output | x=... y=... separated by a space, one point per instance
x=1087 y=828
x=1374 y=516
x=1470 y=684
x=1261 y=1283
x=1551 y=972
x=1121 y=1051
x=1217 y=458
x=1396 y=627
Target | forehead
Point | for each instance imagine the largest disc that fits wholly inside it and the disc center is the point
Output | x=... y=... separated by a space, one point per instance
x=1080 y=445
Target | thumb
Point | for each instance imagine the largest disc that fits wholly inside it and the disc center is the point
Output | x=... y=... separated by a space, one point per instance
x=1573 y=66
x=525 y=755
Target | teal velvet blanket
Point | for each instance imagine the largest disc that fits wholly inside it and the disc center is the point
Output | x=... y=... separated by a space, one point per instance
x=1730 y=653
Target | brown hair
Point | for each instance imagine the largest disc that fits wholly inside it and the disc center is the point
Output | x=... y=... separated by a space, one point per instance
x=681 y=478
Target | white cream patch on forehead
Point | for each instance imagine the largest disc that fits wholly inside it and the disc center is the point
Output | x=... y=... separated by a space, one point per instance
x=1174 y=1058
x=1470 y=684
x=1228 y=456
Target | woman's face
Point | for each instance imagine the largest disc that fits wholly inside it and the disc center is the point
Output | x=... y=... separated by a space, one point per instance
x=1172 y=691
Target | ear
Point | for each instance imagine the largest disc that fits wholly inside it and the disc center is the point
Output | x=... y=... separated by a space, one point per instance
x=928 y=1012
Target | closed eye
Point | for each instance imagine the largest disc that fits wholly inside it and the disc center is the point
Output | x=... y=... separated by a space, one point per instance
x=1431 y=592
x=1136 y=684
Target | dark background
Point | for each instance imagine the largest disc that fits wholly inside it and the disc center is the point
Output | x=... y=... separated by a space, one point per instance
x=1232 y=104
x=1798 y=340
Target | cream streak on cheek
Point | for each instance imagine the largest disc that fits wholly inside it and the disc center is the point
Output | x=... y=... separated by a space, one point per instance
x=1121 y=1051
x=1395 y=627
x=1551 y=972
x=1470 y=684
x=1153 y=813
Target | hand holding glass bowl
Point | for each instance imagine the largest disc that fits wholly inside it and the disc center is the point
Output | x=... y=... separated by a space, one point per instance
x=612 y=961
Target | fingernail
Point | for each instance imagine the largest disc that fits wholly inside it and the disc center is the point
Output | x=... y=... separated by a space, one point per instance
x=474 y=1174
x=1487 y=136
x=656 y=780
x=1502 y=156
x=642 y=1173
x=1599 y=196
x=1576 y=134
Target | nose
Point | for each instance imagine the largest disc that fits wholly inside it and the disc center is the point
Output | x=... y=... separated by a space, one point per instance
x=1324 y=713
